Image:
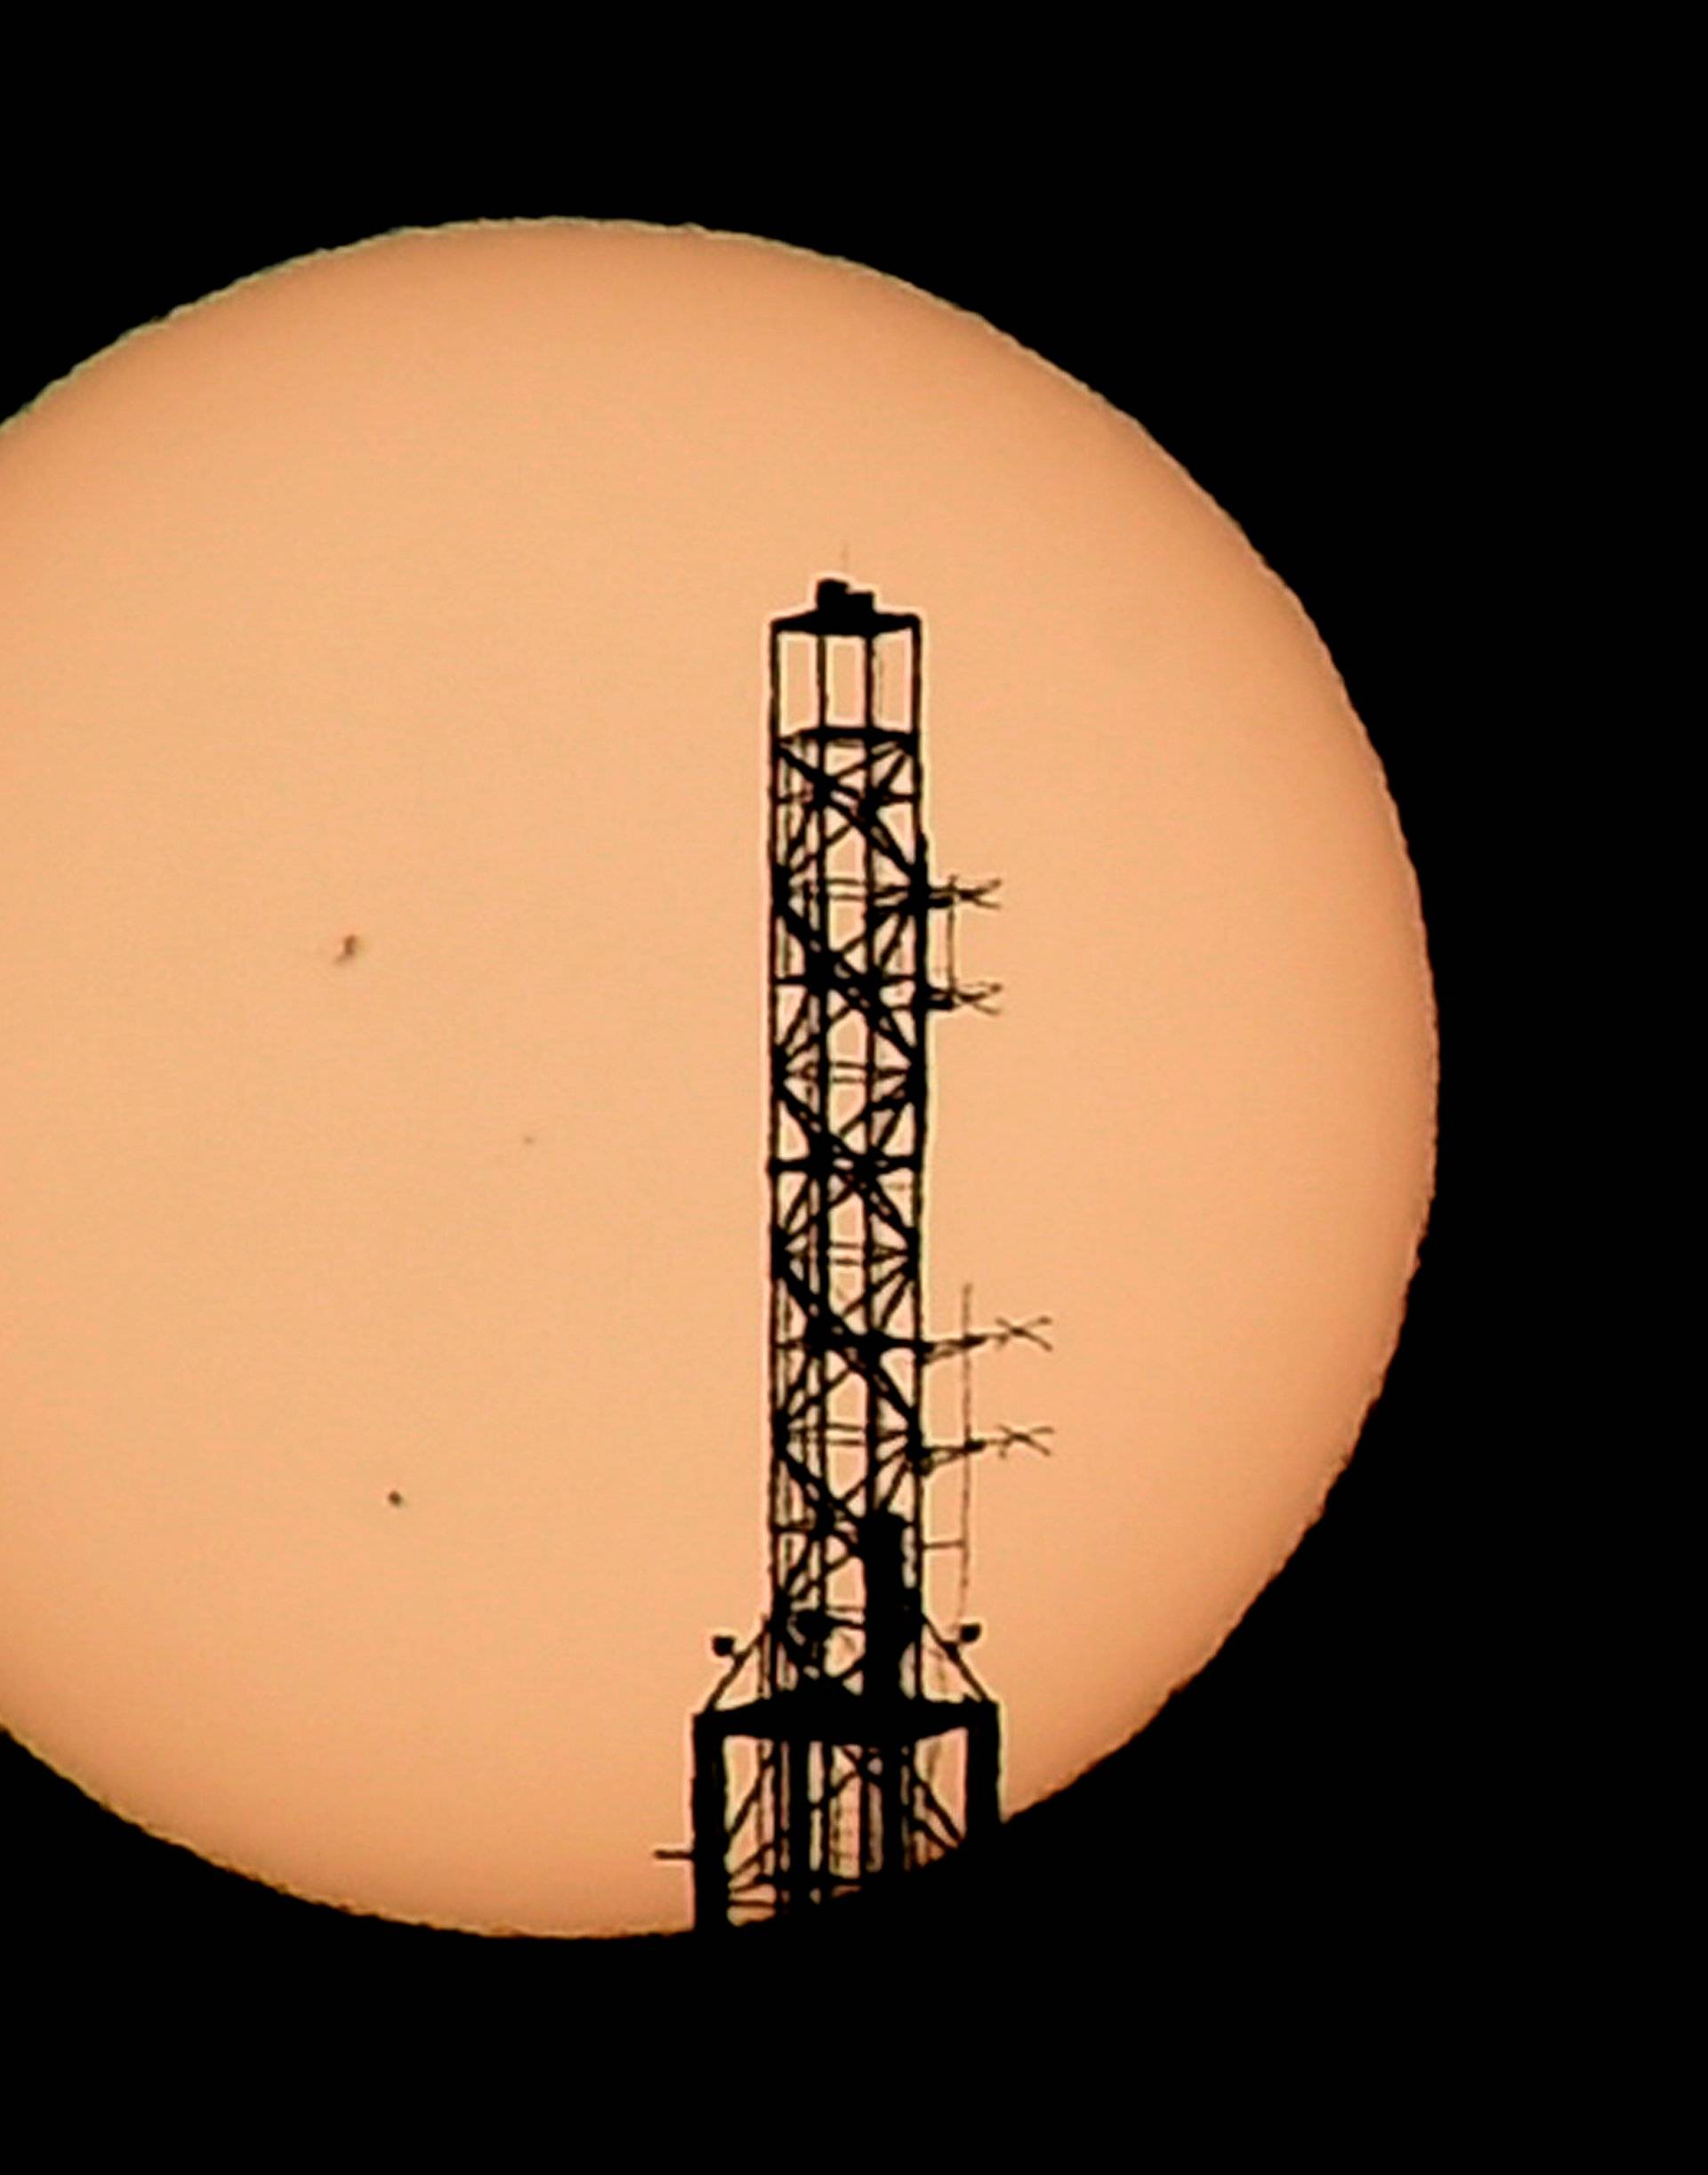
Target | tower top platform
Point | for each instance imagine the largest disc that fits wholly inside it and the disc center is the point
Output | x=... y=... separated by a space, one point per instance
x=839 y=609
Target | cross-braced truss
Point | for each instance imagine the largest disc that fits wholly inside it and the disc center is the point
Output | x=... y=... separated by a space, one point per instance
x=820 y=1759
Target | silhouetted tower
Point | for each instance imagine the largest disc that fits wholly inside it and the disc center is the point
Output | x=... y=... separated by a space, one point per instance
x=828 y=1756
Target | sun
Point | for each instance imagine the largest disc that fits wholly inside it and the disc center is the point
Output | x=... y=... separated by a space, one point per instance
x=383 y=1189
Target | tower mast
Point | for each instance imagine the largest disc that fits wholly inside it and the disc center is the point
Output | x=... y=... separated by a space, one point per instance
x=817 y=1759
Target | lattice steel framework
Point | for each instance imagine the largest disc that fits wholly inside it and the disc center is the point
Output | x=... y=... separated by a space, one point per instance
x=821 y=1760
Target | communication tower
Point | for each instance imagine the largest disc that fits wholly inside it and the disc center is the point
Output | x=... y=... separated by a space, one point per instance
x=827 y=1758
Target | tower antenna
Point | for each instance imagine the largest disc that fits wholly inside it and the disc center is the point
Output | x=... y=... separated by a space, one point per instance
x=811 y=1774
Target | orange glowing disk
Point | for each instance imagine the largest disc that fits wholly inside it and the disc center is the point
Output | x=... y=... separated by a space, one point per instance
x=382 y=1205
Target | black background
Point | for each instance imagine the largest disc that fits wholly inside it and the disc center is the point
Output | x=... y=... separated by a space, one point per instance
x=1328 y=1796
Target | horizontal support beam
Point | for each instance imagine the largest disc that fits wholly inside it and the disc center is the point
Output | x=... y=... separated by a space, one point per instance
x=819 y=1715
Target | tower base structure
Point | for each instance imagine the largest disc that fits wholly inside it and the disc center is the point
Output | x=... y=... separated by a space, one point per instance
x=811 y=1752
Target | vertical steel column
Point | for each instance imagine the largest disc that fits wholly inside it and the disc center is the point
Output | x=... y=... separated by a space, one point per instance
x=840 y=1702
